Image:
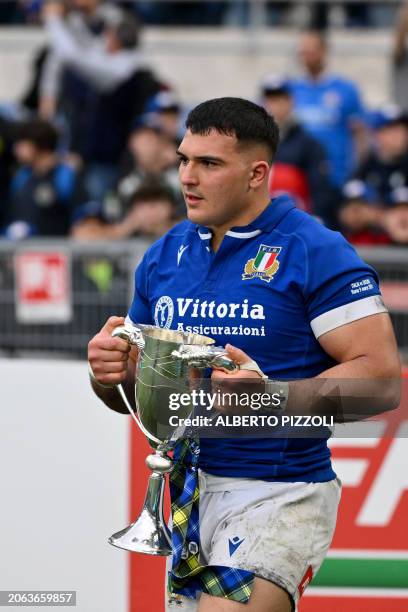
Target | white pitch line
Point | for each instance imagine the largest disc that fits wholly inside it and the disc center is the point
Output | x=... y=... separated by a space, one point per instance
x=340 y=553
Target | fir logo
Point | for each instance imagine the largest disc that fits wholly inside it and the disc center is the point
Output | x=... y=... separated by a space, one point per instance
x=265 y=265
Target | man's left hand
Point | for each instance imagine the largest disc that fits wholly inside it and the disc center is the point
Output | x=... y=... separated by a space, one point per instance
x=241 y=382
x=240 y=358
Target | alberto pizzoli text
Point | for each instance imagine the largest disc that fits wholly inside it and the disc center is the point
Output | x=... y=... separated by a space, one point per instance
x=253 y=420
x=233 y=401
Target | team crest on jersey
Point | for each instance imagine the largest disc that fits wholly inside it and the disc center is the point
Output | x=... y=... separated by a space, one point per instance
x=164 y=312
x=265 y=265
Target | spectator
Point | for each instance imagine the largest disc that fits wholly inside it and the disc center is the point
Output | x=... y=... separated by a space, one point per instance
x=46 y=194
x=300 y=166
x=328 y=106
x=395 y=220
x=116 y=86
x=400 y=59
x=386 y=166
x=82 y=18
x=165 y=108
x=152 y=212
x=152 y=159
x=361 y=215
x=85 y=22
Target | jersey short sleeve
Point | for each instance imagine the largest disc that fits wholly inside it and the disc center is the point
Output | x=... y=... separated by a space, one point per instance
x=340 y=287
x=139 y=311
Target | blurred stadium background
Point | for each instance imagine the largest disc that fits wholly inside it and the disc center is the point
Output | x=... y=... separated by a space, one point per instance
x=92 y=100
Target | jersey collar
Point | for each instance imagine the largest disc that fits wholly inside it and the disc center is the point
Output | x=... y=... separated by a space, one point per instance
x=266 y=222
x=323 y=78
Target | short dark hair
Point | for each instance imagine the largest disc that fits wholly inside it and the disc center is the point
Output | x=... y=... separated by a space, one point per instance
x=127 y=31
x=41 y=133
x=247 y=121
x=151 y=192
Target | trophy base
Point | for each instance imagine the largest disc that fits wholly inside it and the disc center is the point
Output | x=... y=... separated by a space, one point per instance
x=144 y=536
x=149 y=534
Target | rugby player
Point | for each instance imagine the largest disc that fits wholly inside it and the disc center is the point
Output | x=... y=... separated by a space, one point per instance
x=278 y=288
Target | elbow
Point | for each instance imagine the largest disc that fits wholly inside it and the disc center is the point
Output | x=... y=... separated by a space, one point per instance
x=392 y=394
x=389 y=373
x=395 y=382
x=387 y=386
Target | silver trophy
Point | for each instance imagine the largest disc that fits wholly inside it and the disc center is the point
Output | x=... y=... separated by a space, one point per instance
x=167 y=363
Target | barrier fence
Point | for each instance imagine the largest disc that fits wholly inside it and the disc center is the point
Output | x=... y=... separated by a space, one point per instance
x=55 y=295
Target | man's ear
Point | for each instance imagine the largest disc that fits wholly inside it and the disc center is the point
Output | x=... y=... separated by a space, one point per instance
x=259 y=173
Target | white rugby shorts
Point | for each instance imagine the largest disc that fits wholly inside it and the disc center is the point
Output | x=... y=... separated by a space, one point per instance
x=280 y=531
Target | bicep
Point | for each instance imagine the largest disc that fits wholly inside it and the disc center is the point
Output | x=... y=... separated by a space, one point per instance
x=371 y=337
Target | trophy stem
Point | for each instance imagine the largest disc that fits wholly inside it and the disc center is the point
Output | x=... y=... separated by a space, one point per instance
x=149 y=533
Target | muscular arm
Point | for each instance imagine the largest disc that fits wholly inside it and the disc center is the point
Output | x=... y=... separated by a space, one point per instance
x=366 y=379
x=365 y=348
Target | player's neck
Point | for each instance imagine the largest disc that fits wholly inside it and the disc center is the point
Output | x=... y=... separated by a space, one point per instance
x=245 y=218
x=316 y=73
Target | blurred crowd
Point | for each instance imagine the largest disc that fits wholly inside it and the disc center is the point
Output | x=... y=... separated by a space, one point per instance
x=90 y=152
x=227 y=12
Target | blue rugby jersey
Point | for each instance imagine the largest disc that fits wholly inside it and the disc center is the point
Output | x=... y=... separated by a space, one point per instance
x=272 y=288
x=326 y=108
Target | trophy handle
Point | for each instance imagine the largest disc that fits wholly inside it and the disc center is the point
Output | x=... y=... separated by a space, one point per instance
x=134 y=336
x=205 y=356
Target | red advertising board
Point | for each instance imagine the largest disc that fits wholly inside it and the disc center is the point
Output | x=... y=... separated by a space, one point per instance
x=42 y=290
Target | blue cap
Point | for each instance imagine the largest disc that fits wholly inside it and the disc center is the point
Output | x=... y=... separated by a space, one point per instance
x=148 y=120
x=91 y=209
x=359 y=190
x=162 y=102
x=389 y=115
x=273 y=84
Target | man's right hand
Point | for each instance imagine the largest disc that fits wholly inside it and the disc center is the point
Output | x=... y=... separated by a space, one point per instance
x=109 y=356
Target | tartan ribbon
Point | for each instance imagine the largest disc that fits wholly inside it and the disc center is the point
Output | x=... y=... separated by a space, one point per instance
x=187 y=576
